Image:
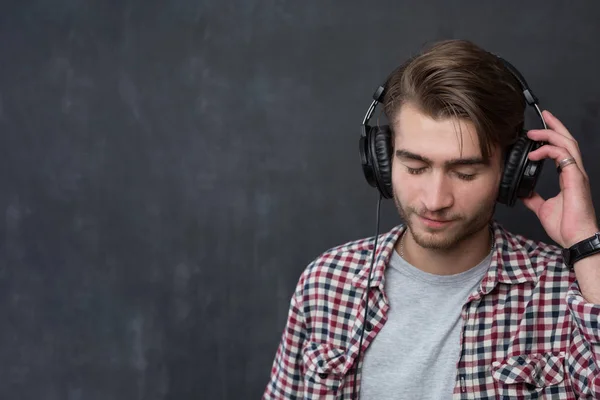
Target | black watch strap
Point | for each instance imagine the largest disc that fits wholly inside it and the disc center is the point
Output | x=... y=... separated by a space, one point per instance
x=582 y=249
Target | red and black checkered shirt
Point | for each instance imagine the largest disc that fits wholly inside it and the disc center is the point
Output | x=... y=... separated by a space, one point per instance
x=527 y=331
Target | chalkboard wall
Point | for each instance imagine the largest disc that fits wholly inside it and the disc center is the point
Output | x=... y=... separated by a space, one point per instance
x=168 y=169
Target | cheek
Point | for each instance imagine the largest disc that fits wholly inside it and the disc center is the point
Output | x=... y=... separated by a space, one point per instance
x=401 y=183
x=480 y=191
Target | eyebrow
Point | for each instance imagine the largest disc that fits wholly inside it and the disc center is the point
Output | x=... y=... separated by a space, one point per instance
x=449 y=163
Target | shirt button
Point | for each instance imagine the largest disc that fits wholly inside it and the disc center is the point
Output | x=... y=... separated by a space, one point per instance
x=369 y=327
x=322 y=375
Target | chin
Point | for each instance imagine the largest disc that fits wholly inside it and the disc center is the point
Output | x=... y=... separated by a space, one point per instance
x=437 y=240
x=446 y=237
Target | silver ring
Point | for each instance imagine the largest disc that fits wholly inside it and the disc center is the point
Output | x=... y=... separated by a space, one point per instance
x=564 y=163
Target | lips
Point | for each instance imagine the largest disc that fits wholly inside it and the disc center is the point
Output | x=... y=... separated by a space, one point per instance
x=432 y=223
x=436 y=220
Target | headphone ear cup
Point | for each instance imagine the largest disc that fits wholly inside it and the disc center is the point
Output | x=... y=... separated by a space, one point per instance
x=514 y=167
x=380 y=145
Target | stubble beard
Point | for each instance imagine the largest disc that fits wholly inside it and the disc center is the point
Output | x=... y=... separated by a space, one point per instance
x=461 y=229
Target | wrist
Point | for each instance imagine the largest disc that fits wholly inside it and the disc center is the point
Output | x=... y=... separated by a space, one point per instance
x=582 y=235
x=581 y=249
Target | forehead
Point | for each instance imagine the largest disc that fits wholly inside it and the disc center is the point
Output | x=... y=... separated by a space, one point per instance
x=438 y=139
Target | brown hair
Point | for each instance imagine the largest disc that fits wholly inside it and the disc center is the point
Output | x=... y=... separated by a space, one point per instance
x=458 y=79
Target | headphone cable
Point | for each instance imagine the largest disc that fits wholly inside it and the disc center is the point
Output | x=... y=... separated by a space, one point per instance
x=357 y=361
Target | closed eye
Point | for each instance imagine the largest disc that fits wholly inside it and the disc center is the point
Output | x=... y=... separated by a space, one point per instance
x=415 y=171
x=460 y=175
x=466 y=177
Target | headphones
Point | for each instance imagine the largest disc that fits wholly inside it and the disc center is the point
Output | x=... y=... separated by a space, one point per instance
x=520 y=174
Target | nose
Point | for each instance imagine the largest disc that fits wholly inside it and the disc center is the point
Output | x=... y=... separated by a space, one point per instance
x=438 y=192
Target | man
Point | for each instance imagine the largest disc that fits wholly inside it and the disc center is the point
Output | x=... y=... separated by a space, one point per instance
x=458 y=306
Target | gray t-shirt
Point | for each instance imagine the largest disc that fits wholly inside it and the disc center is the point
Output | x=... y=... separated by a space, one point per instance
x=414 y=356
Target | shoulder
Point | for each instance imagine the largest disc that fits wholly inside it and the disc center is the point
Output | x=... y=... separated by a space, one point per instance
x=536 y=250
x=536 y=255
x=338 y=264
x=341 y=265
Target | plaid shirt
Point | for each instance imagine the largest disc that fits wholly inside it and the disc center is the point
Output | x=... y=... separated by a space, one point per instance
x=527 y=331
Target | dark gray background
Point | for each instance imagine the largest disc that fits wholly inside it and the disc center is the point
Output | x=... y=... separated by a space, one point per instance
x=168 y=169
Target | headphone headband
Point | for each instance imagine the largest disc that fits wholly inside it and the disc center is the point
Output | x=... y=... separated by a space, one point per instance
x=377 y=98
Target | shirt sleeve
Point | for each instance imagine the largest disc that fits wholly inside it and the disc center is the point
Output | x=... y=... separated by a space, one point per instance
x=584 y=351
x=286 y=380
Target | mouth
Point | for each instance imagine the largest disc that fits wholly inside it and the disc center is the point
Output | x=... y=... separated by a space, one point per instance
x=434 y=223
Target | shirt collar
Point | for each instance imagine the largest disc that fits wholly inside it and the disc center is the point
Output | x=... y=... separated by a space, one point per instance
x=510 y=261
x=385 y=248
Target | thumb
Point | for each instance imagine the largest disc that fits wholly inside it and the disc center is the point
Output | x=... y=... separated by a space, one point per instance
x=534 y=203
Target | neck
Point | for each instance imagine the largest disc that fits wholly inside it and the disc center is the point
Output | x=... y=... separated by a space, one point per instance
x=465 y=255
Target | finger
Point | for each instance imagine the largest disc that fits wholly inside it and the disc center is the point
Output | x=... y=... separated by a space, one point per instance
x=556 y=139
x=559 y=127
x=557 y=154
x=541 y=134
x=555 y=124
x=534 y=202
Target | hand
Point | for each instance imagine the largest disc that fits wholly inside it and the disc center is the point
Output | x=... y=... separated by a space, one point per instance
x=569 y=217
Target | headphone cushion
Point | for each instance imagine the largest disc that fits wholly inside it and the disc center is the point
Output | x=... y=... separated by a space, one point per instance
x=515 y=160
x=382 y=147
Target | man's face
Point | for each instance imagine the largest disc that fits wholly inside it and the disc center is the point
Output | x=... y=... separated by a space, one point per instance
x=433 y=181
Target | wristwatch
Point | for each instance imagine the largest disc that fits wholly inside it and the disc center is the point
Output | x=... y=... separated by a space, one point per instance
x=582 y=249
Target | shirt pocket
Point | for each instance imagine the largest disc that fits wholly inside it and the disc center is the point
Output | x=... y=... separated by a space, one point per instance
x=531 y=375
x=324 y=370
